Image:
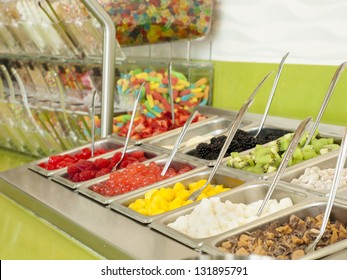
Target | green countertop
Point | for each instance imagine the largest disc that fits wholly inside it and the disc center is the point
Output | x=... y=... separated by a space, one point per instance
x=23 y=235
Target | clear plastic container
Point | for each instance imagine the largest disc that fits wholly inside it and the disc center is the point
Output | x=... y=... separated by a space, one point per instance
x=10 y=43
x=13 y=21
x=78 y=25
x=56 y=40
x=155 y=21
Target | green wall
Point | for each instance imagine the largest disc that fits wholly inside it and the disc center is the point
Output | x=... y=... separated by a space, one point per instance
x=300 y=91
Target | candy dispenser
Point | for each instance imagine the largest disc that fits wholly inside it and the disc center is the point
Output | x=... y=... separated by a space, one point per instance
x=77 y=24
x=38 y=131
x=62 y=115
x=17 y=28
x=154 y=21
x=57 y=41
x=7 y=39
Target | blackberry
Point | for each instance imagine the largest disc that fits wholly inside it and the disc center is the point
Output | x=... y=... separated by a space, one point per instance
x=273 y=136
x=234 y=146
x=219 y=139
x=213 y=156
x=240 y=134
x=261 y=140
x=249 y=144
x=203 y=150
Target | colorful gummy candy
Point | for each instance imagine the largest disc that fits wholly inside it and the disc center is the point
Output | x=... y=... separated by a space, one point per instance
x=155 y=93
x=153 y=21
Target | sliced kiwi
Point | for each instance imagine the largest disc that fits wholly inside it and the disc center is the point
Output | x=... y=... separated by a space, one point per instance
x=329 y=148
x=308 y=152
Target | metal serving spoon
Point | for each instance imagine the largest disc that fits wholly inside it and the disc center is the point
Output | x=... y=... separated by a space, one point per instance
x=287 y=156
x=232 y=131
x=336 y=182
x=179 y=141
x=330 y=91
x=93 y=122
x=130 y=126
x=272 y=93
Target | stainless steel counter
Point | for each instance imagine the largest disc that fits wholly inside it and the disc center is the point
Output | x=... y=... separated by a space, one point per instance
x=110 y=234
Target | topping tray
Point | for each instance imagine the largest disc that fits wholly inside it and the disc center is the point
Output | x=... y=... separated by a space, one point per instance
x=191 y=226
x=182 y=165
x=108 y=144
x=176 y=192
x=299 y=219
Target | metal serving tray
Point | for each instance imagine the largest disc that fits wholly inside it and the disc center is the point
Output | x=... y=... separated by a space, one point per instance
x=177 y=163
x=251 y=129
x=209 y=118
x=246 y=194
x=323 y=162
x=62 y=176
x=313 y=208
x=106 y=143
x=221 y=177
x=298 y=166
x=214 y=127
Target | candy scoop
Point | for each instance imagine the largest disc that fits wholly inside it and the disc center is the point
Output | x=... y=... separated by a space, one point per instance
x=336 y=182
x=287 y=156
x=130 y=125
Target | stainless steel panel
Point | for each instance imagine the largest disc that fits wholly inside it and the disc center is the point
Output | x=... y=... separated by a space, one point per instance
x=106 y=143
x=222 y=177
x=339 y=212
x=247 y=193
x=177 y=163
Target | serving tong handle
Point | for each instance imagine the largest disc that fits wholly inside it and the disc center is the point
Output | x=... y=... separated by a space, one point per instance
x=287 y=156
x=336 y=182
x=139 y=94
x=272 y=93
x=179 y=141
x=93 y=122
x=330 y=91
x=232 y=131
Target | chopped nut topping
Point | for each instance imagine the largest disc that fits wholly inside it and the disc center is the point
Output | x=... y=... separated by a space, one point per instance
x=286 y=241
x=297 y=254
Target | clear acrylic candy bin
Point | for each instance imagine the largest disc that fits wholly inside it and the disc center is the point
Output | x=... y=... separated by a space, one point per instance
x=155 y=21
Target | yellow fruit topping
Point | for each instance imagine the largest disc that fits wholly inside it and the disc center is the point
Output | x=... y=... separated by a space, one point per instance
x=158 y=201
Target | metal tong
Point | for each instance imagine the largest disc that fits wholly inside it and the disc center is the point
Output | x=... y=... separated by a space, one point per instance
x=230 y=136
x=326 y=100
x=287 y=156
x=139 y=94
x=336 y=182
x=272 y=93
x=179 y=141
